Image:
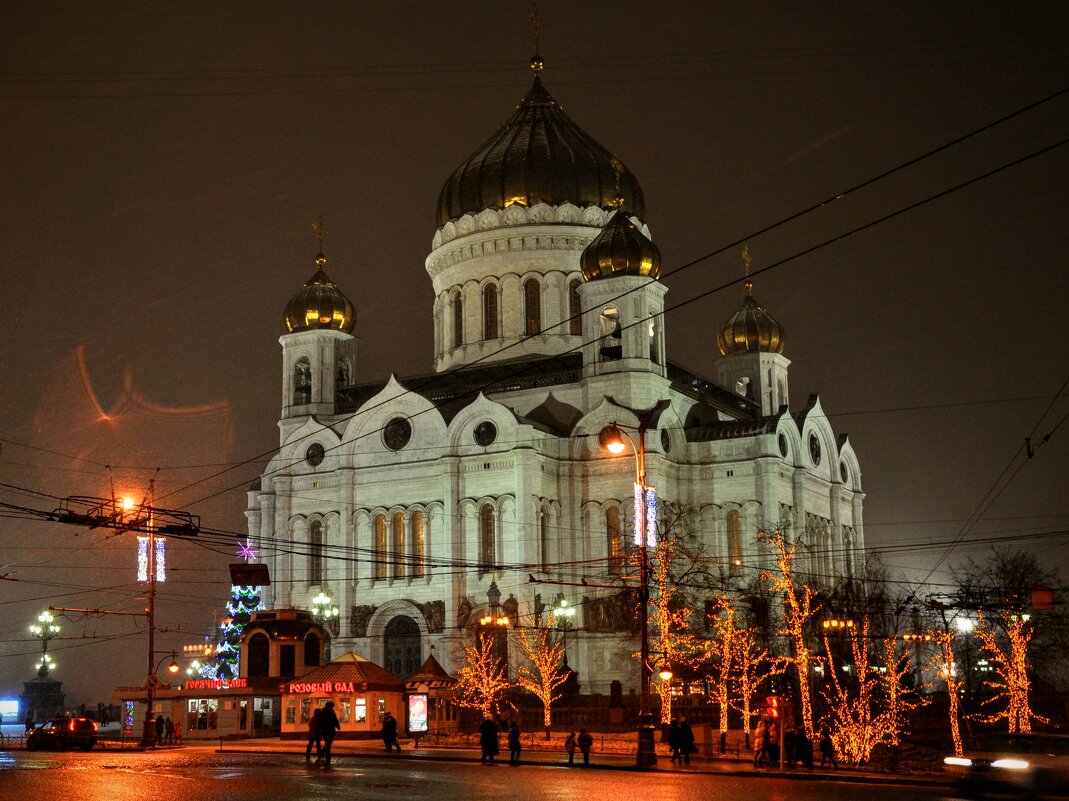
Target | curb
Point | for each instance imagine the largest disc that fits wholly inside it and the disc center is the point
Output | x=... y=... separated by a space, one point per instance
x=838 y=777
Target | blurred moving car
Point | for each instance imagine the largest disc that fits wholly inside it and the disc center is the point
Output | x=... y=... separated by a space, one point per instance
x=61 y=733
x=1030 y=765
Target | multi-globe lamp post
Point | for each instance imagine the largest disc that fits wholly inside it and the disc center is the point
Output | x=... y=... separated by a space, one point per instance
x=45 y=629
x=326 y=613
x=615 y=440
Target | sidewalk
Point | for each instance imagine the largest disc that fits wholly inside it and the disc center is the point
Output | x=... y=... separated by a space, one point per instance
x=372 y=749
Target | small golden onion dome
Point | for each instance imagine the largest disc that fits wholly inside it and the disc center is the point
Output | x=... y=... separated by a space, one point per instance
x=750 y=329
x=320 y=304
x=620 y=249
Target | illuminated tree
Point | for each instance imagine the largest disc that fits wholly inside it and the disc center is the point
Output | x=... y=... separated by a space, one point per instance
x=943 y=664
x=243 y=602
x=752 y=666
x=722 y=648
x=897 y=703
x=544 y=675
x=483 y=679
x=671 y=638
x=1011 y=666
x=798 y=610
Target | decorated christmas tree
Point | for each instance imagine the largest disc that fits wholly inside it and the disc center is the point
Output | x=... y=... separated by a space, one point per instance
x=243 y=602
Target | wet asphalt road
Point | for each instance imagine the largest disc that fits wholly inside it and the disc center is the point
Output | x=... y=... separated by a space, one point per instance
x=206 y=776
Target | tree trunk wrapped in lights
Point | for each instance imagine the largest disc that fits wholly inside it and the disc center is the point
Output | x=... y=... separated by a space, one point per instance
x=798 y=610
x=482 y=681
x=544 y=675
x=896 y=668
x=943 y=664
x=1011 y=666
x=672 y=641
x=722 y=648
x=752 y=666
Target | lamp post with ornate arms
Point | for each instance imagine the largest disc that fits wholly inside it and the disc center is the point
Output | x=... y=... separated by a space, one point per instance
x=613 y=439
x=326 y=613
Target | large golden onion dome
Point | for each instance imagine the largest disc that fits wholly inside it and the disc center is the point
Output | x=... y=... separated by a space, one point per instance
x=750 y=329
x=620 y=249
x=539 y=155
x=320 y=304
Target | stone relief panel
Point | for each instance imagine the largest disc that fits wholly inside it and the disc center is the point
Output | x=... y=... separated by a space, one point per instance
x=361 y=615
x=434 y=613
x=613 y=613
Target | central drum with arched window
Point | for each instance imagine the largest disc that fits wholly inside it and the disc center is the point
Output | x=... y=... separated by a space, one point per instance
x=402 y=646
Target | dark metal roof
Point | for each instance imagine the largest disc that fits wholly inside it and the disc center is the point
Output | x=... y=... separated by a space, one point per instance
x=364 y=673
x=539 y=156
x=733 y=429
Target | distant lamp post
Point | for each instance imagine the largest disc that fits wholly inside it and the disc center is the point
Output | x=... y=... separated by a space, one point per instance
x=45 y=629
x=563 y=614
x=326 y=613
x=615 y=440
x=665 y=673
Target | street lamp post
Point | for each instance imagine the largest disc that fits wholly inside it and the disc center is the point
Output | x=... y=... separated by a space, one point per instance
x=44 y=629
x=324 y=610
x=613 y=439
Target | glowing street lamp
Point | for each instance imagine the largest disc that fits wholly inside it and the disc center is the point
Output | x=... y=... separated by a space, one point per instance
x=324 y=611
x=45 y=629
x=613 y=439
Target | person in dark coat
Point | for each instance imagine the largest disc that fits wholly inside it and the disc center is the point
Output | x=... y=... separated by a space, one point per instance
x=314 y=737
x=29 y=722
x=488 y=739
x=686 y=740
x=827 y=748
x=389 y=732
x=586 y=741
x=569 y=746
x=514 y=743
x=160 y=725
x=328 y=728
x=673 y=739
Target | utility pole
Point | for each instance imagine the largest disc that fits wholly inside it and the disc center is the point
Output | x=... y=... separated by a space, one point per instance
x=148 y=730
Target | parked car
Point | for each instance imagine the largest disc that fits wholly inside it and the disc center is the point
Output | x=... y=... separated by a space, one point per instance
x=1029 y=765
x=61 y=733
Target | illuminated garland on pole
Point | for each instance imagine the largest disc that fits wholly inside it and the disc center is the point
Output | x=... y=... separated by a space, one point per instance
x=672 y=641
x=943 y=664
x=798 y=611
x=1011 y=665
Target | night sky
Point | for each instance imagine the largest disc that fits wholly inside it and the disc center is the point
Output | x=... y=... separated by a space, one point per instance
x=163 y=164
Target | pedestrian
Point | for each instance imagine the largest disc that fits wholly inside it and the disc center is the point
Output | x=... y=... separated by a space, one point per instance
x=178 y=732
x=827 y=748
x=488 y=738
x=328 y=728
x=803 y=747
x=569 y=746
x=168 y=731
x=29 y=721
x=760 y=744
x=790 y=755
x=314 y=737
x=673 y=739
x=686 y=739
x=160 y=725
x=585 y=741
x=388 y=732
x=514 y=743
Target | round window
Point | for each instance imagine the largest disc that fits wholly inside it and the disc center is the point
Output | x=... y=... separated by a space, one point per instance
x=814 y=448
x=485 y=433
x=666 y=441
x=314 y=454
x=783 y=445
x=844 y=473
x=397 y=433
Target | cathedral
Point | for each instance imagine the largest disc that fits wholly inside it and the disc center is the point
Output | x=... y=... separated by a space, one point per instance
x=422 y=504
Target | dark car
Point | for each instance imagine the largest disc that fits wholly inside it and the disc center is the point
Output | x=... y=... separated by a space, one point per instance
x=1029 y=765
x=60 y=733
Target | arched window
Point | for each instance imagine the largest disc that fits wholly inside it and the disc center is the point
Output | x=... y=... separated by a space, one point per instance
x=345 y=372
x=532 y=307
x=378 y=562
x=489 y=312
x=613 y=540
x=302 y=382
x=398 y=557
x=487 y=540
x=419 y=545
x=575 y=309
x=611 y=336
x=458 y=321
x=543 y=538
x=311 y=650
x=655 y=356
x=259 y=650
x=734 y=543
x=744 y=387
x=315 y=553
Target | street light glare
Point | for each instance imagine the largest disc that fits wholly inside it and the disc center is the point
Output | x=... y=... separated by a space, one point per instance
x=127 y=503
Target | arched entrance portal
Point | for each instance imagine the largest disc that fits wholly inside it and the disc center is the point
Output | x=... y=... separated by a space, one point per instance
x=401 y=647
